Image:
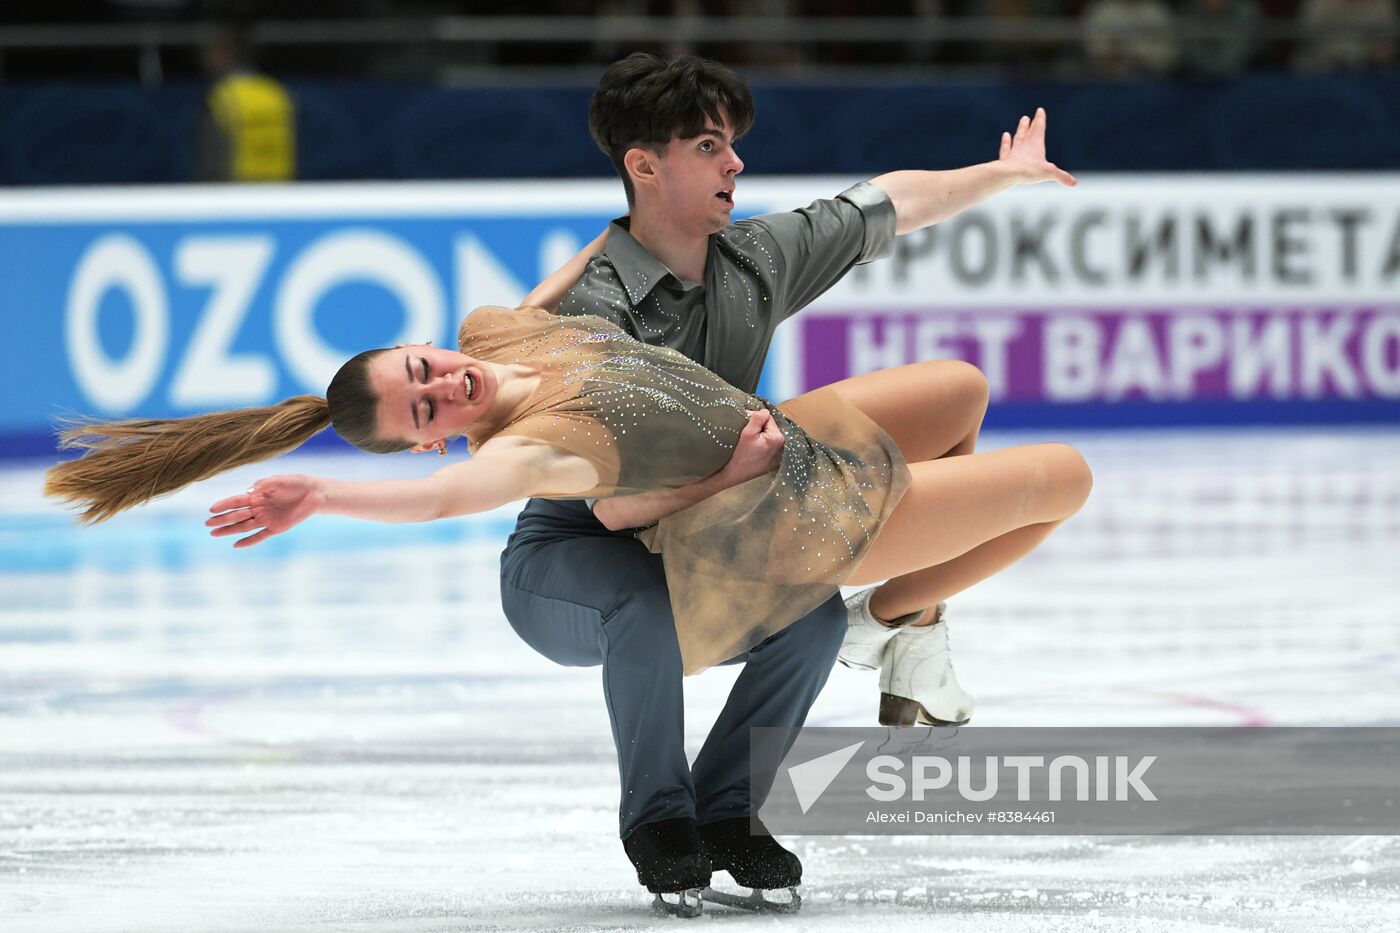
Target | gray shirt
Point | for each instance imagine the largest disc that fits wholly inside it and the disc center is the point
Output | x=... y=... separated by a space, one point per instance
x=758 y=272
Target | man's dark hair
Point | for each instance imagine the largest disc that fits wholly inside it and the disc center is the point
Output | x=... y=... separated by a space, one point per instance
x=647 y=100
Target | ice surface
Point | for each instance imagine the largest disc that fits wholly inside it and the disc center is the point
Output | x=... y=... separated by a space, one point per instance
x=338 y=730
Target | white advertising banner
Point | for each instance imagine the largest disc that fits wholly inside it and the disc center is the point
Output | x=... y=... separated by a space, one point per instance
x=1130 y=299
x=1185 y=291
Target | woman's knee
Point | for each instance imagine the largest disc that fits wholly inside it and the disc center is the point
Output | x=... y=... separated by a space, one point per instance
x=967 y=386
x=1066 y=478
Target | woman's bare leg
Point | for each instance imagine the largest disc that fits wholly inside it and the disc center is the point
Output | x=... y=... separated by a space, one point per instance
x=965 y=516
x=921 y=590
x=976 y=514
x=929 y=410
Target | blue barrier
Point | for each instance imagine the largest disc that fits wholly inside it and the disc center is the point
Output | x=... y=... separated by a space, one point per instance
x=87 y=134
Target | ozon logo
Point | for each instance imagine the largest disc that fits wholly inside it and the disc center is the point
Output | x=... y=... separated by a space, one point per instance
x=233 y=268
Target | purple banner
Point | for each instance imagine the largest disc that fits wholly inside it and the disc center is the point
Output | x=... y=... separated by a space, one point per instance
x=1069 y=355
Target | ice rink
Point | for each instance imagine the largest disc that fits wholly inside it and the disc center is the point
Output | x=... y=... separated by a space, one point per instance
x=338 y=730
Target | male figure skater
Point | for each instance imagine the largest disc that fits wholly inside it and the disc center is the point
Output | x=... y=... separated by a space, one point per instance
x=576 y=584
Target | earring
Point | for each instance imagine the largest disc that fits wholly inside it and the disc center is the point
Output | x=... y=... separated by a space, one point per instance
x=442 y=449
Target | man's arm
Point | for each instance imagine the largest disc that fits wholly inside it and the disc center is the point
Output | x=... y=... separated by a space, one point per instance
x=924 y=198
x=759 y=451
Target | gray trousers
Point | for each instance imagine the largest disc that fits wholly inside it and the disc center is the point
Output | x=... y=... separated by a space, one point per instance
x=583 y=596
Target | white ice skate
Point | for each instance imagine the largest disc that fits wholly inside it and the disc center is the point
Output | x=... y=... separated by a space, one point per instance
x=863 y=648
x=917 y=683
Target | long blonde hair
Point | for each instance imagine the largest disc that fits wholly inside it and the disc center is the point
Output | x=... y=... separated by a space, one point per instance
x=126 y=463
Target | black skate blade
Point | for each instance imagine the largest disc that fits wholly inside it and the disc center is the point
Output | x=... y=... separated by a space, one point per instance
x=756 y=900
x=687 y=903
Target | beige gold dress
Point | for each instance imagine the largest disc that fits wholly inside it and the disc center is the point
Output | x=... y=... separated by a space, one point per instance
x=742 y=564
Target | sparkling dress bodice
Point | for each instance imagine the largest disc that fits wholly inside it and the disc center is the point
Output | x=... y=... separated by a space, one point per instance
x=742 y=564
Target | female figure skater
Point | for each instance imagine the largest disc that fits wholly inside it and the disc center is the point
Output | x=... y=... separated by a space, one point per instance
x=572 y=407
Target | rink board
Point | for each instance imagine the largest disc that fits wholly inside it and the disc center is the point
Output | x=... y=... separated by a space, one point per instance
x=1132 y=300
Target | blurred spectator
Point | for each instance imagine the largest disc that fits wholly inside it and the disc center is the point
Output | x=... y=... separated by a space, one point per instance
x=839 y=49
x=679 y=14
x=609 y=14
x=924 y=51
x=1231 y=46
x=1368 y=44
x=682 y=11
x=1022 y=51
x=1130 y=37
x=772 y=55
x=248 y=130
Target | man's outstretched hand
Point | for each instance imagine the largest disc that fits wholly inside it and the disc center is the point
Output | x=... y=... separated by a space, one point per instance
x=1025 y=151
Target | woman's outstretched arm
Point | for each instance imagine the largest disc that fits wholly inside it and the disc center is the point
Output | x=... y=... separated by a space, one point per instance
x=500 y=472
x=551 y=291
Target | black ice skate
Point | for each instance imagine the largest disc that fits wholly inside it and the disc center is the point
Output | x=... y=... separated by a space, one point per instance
x=757 y=862
x=669 y=862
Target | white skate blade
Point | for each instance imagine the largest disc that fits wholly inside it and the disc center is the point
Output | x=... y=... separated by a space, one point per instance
x=776 y=900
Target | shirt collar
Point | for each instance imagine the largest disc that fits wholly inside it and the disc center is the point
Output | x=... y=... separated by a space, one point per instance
x=639 y=270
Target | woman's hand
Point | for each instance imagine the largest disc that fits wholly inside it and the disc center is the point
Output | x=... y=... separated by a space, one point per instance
x=269 y=507
x=759 y=451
